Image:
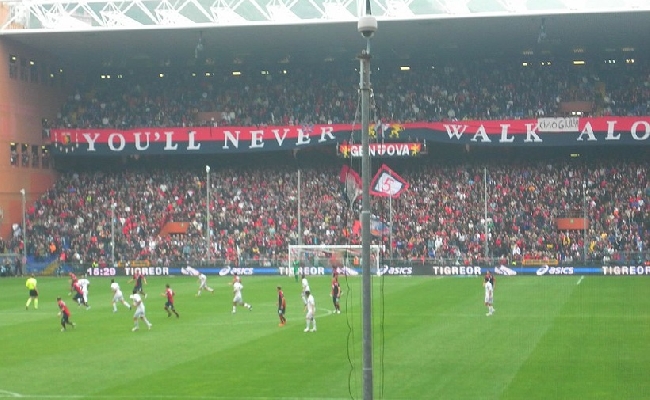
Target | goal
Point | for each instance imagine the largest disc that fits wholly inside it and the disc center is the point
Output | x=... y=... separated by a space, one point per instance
x=325 y=259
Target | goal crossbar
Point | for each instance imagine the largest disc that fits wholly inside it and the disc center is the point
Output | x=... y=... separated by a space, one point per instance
x=331 y=257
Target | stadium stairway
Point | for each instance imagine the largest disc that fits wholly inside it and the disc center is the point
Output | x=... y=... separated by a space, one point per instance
x=51 y=268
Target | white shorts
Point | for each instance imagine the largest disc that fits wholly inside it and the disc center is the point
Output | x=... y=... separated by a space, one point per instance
x=310 y=315
x=237 y=299
x=118 y=296
x=488 y=299
x=139 y=312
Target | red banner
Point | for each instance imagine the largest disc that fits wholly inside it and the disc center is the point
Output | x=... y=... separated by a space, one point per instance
x=208 y=140
x=352 y=183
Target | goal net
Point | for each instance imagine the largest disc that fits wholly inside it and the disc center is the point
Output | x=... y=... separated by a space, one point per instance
x=324 y=259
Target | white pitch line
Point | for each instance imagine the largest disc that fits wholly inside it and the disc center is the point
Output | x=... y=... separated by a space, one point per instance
x=248 y=321
x=23 y=312
x=580 y=280
x=7 y=394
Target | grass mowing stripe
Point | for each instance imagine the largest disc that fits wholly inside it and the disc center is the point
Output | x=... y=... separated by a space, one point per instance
x=596 y=355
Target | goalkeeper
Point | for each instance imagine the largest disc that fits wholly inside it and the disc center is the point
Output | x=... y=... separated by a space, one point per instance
x=296 y=264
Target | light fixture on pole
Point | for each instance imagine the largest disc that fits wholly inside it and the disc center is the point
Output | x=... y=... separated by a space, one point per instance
x=24 y=260
x=113 y=205
x=207 y=211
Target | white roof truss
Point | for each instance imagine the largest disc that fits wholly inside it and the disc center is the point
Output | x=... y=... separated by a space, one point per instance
x=224 y=12
x=113 y=14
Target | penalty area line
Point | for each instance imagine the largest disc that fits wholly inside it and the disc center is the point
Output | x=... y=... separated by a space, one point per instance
x=324 y=313
x=580 y=280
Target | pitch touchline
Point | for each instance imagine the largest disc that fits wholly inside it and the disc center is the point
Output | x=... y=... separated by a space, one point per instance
x=7 y=394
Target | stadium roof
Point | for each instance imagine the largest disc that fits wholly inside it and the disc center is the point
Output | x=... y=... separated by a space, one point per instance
x=234 y=32
x=64 y=14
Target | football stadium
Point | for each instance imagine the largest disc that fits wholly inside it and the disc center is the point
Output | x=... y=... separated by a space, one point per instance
x=324 y=199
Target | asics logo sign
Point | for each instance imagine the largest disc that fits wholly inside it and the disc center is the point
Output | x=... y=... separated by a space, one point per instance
x=239 y=271
x=386 y=270
x=546 y=270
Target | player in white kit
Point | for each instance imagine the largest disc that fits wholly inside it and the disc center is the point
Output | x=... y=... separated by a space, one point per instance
x=84 y=283
x=310 y=308
x=489 y=292
x=203 y=284
x=237 y=300
x=305 y=289
x=118 y=296
x=139 y=312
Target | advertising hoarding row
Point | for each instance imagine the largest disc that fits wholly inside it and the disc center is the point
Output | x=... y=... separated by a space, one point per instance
x=395 y=270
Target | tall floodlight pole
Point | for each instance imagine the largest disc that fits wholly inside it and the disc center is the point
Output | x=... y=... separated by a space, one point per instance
x=24 y=260
x=390 y=222
x=584 y=212
x=113 y=205
x=367 y=26
x=207 y=212
x=299 y=211
x=485 y=209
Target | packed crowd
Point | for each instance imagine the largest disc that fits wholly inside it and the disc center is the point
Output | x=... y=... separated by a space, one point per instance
x=253 y=207
x=330 y=96
x=254 y=212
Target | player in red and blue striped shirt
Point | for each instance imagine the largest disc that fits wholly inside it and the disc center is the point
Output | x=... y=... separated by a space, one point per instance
x=169 y=304
x=64 y=313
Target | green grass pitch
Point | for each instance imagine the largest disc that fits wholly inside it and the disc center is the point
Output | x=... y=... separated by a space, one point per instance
x=550 y=338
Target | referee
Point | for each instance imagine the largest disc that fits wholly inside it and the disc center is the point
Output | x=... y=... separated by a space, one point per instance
x=33 y=292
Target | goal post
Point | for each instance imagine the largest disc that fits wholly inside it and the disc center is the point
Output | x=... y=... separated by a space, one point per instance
x=325 y=259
